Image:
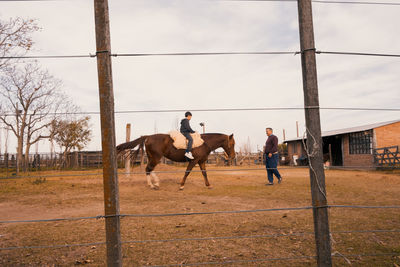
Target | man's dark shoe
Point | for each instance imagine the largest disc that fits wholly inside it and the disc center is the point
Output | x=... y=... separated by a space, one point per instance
x=279 y=180
x=269 y=184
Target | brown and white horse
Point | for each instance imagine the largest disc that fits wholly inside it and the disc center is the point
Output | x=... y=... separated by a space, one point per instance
x=159 y=145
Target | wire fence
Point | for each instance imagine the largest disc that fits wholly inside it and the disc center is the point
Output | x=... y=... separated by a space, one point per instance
x=224 y=170
x=214 y=110
x=200 y=213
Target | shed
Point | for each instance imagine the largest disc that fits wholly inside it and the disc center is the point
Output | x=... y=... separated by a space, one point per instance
x=371 y=145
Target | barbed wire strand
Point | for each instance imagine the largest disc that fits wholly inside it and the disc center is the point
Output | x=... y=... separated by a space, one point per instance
x=201 y=213
x=158 y=215
x=314 y=1
x=321 y=2
x=9 y=113
x=357 y=53
x=200 y=54
x=196 y=171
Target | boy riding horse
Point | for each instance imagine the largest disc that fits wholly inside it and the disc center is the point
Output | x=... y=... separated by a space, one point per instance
x=186 y=130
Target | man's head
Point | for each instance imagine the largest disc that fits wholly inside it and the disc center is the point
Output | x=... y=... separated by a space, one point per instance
x=188 y=115
x=268 y=131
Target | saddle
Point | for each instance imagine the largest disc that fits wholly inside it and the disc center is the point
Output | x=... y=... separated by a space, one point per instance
x=180 y=141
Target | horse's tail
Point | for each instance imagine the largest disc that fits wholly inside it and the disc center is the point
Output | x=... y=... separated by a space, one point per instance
x=132 y=153
x=131 y=144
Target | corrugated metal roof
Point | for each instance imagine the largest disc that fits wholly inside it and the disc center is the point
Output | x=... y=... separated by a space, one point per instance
x=350 y=130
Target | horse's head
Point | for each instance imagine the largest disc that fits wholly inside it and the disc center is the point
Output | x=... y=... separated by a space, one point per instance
x=229 y=147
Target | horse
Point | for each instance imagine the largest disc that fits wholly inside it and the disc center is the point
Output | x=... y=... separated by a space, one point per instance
x=159 y=145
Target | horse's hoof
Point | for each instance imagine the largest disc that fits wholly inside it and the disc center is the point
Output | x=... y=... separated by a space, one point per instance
x=209 y=187
x=156 y=187
x=181 y=188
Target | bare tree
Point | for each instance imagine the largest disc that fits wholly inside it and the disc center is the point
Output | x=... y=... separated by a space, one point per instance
x=245 y=148
x=15 y=38
x=71 y=135
x=30 y=101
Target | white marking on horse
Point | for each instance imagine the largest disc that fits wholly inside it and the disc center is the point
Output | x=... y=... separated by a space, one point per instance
x=156 y=179
x=149 y=181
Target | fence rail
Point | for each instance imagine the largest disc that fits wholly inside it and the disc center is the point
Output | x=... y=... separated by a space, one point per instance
x=387 y=156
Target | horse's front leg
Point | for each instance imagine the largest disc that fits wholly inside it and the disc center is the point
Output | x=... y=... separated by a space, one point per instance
x=204 y=172
x=188 y=170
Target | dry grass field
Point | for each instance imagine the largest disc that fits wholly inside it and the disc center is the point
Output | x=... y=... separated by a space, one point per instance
x=285 y=234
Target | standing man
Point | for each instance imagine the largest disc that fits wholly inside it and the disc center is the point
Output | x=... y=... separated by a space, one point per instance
x=272 y=157
x=186 y=130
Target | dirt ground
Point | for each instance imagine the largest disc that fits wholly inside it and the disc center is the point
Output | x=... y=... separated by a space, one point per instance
x=281 y=234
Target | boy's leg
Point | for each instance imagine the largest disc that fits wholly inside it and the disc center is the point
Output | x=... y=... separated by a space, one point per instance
x=190 y=142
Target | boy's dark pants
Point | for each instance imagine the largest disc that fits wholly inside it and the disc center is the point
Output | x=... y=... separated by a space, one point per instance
x=190 y=143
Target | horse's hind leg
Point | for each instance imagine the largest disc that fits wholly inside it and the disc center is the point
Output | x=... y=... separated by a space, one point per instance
x=149 y=174
x=204 y=172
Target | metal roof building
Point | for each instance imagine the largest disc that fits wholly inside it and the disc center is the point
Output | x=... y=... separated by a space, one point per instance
x=368 y=145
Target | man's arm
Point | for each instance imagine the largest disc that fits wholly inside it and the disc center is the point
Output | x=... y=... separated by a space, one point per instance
x=275 y=144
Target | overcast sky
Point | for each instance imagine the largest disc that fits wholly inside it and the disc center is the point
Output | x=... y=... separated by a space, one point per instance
x=163 y=26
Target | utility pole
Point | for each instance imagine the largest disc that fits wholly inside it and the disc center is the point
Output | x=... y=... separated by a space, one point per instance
x=106 y=94
x=297 y=128
x=314 y=140
x=128 y=159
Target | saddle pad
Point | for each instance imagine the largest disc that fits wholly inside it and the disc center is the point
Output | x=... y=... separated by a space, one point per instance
x=180 y=141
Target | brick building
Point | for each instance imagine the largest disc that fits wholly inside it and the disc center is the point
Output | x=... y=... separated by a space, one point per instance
x=354 y=147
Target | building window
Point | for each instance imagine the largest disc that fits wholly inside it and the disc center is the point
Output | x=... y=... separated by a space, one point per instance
x=360 y=142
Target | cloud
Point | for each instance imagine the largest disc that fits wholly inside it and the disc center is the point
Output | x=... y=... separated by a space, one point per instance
x=148 y=83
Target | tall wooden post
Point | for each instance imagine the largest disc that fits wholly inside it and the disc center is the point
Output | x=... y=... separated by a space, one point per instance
x=314 y=140
x=110 y=178
x=128 y=159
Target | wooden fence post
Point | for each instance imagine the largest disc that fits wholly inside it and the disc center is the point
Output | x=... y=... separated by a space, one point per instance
x=106 y=94
x=128 y=159
x=314 y=139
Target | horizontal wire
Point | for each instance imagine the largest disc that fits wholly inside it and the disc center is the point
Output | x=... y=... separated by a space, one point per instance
x=193 y=171
x=314 y=1
x=211 y=110
x=355 y=2
x=358 y=53
x=57 y=219
x=322 y=2
x=202 y=213
x=158 y=215
x=154 y=54
x=200 y=54
x=214 y=212
x=199 y=239
x=55 y=246
x=143 y=172
x=364 y=207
